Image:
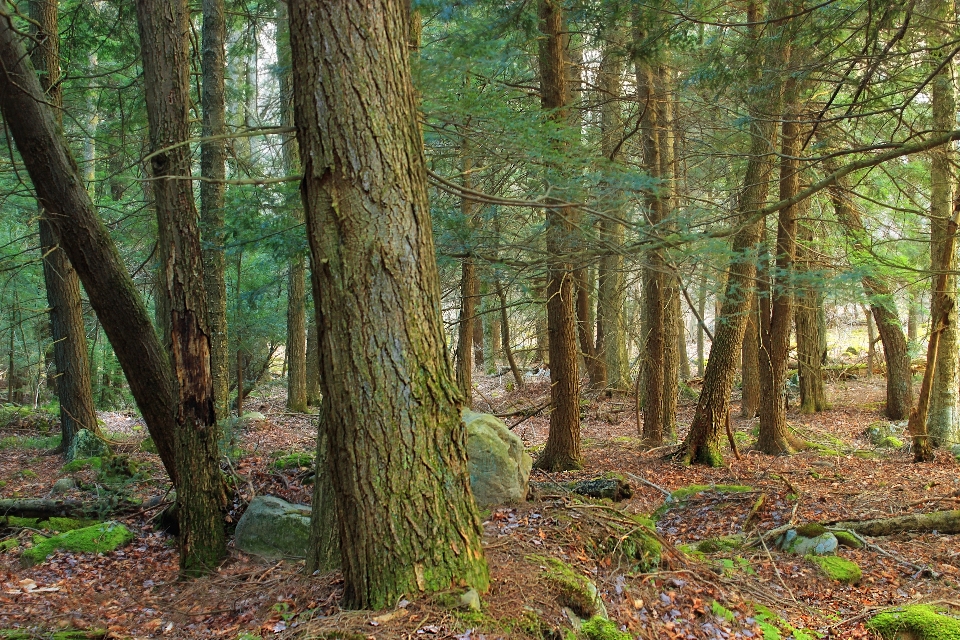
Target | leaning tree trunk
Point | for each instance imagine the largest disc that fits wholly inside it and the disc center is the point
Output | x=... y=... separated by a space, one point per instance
x=87 y=243
x=213 y=158
x=74 y=390
x=702 y=444
x=397 y=450
x=201 y=497
x=562 y=451
x=297 y=397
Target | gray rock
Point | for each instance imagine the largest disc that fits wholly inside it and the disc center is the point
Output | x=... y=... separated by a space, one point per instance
x=878 y=432
x=822 y=545
x=86 y=445
x=498 y=465
x=63 y=485
x=274 y=528
x=470 y=600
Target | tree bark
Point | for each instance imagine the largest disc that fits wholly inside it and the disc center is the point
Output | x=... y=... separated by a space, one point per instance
x=313 y=363
x=596 y=367
x=74 y=389
x=407 y=519
x=213 y=157
x=562 y=450
x=702 y=444
x=750 y=361
x=87 y=243
x=200 y=494
x=468 y=301
x=813 y=397
x=505 y=331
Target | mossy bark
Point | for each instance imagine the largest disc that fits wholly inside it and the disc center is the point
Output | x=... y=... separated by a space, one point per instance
x=397 y=450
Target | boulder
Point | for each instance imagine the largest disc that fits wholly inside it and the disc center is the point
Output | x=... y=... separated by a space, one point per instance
x=498 y=465
x=274 y=528
x=86 y=445
x=63 y=485
x=820 y=545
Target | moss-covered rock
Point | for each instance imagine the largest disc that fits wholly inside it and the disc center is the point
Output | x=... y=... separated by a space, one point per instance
x=597 y=628
x=891 y=442
x=811 y=530
x=719 y=545
x=820 y=545
x=99 y=538
x=919 y=622
x=8 y=544
x=498 y=465
x=274 y=528
x=573 y=590
x=295 y=460
x=81 y=464
x=837 y=568
x=684 y=493
x=87 y=445
x=847 y=539
x=117 y=468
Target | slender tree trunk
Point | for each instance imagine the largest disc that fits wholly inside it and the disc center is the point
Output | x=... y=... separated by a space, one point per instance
x=200 y=494
x=468 y=301
x=813 y=396
x=313 y=363
x=505 y=329
x=702 y=444
x=479 y=355
x=596 y=367
x=913 y=320
x=871 y=351
x=213 y=157
x=943 y=422
x=562 y=450
x=74 y=389
x=750 y=361
x=87 y=243
x=701 y=309
x=407 y=519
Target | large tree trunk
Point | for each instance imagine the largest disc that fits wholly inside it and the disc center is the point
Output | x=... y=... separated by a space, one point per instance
x=87 y=243
x=296 y=346
x=813 y=397
x=943 y=421
x=213 y=157
x=200 y=494
x=562 y=451
x=776 y=306
x=702 y=444
x=313 y=363
x=74 y=390
x=397 y=450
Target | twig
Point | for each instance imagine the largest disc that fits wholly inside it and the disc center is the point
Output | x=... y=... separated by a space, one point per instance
x=884 y=552
x=522 y=420
x=524 y=411
x=776 y=569
x=648 y=483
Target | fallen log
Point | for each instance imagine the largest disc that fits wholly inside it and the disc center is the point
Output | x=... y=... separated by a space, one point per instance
x=612 y=488
x=46 y=508
x=939 y=521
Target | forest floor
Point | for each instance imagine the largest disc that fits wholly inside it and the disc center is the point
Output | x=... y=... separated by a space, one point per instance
x=737 y=593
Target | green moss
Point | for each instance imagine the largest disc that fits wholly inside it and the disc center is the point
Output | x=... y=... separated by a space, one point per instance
x=717 y=545
x=28 y=473
x=30 y=442
x=864 y=454
x=847 y=539
x=597 y=628
x=81 y=464
x=99 y=538
x=683 y=493
x=921 y=621
x=573 y=590
x=811 y=530
x=14 y=634
x=8 y=544
x=528 y=624
x=891 y=442
x=295 y=460
x=21 y=523
x=837 y=568
x=117 y=468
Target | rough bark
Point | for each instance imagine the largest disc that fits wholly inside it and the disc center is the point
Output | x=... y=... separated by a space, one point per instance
x=313 y=363
x=87 y=243
x=813 y=397
x=468 y=301
x=943 y=421
x=73 y=386
x=750 y=361
x=407 y=519
x=213 y=157
x=944 y=522
x=505 y=334
x=776 y=306
x=702 y=444
x=201 y=497
x=323 y=554
x=596 y=366
x=562 y=450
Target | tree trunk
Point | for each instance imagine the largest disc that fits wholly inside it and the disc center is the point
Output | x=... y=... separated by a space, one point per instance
x=702 y=444
x=701 y=309
x=313 y=363
x=895 y=352
x=87 y=243
x=407 y=519
x=213 y=157
x=200 y=494
x=323 y=554
x=776 y=305
x=74 y=389
x=750 y=361
x=479 y=356
x=943 y=422
x=562 y=451
x=596 y=367
x=871 y=350
x=813 y=397
x=505 y=330
x=468 y=301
